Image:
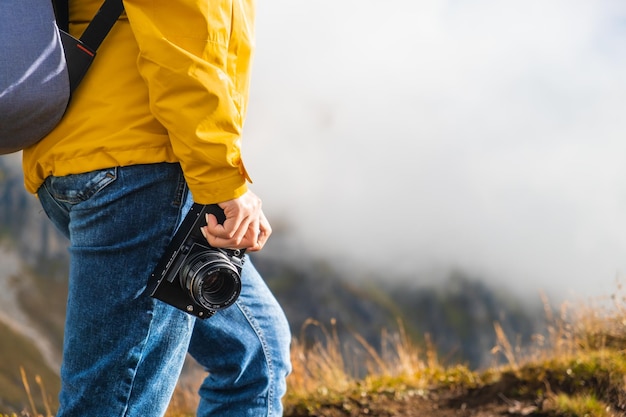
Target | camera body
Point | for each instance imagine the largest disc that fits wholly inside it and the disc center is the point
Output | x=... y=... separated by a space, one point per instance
x=192 y=275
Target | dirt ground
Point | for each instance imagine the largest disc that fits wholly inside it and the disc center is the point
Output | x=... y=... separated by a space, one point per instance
x=485 y=403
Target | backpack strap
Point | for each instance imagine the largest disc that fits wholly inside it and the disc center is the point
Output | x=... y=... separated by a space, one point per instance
x=79 y=53
x=99 y=26
x=102 y=23
x=62 y=13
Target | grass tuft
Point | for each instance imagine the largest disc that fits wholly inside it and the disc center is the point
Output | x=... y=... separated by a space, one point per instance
x=579 y=405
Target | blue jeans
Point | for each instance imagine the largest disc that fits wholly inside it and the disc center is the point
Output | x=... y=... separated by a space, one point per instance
x=123 y=350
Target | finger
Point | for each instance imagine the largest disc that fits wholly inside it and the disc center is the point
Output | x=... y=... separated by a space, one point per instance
x=239 y=213
x=251 y=235
x=246 y=233
x=224 y=230
x=265 y=230
x=245 y=237
x=219 y=242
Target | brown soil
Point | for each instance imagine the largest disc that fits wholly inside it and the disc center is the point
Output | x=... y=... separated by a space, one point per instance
x=479 y=403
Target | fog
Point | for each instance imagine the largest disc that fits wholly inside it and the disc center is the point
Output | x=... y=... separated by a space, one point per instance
x=424 y=135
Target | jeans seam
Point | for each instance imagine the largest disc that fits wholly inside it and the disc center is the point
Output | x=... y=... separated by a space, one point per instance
x=179 y=198
x=54 y=199
x=144 y=343
x=268 y=359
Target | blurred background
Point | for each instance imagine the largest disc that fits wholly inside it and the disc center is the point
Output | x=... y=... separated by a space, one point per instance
x=442 y=163
x=418 y=136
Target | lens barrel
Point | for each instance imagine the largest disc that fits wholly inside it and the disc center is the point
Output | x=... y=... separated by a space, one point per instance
x=211 y=279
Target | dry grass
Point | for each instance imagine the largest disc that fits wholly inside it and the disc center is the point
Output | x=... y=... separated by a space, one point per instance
x=32 y=410
x=576 y=367
x=324 y=367
x=329 y=366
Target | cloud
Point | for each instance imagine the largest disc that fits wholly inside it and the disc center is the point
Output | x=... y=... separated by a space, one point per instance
x=482 y=135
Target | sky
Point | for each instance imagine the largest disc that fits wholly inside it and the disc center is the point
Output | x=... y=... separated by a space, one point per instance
x=406 y=136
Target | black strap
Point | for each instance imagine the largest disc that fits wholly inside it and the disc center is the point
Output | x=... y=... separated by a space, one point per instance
x=99 y=26
x=62 y=13
x=102 y=23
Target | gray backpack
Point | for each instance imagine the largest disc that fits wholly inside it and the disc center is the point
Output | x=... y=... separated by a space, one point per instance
x=40 y=66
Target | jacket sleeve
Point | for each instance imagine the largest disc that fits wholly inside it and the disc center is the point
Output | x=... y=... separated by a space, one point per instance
x=184 y=59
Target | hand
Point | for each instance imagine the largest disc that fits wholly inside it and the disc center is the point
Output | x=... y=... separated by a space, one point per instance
x=245 y=227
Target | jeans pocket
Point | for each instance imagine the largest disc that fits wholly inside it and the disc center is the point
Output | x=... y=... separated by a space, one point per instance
x=75 y=188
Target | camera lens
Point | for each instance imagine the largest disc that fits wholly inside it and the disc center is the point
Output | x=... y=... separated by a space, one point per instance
x=211 y=280
x=213 y=284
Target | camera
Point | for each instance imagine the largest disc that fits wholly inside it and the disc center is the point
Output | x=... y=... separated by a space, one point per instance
x=192 y=275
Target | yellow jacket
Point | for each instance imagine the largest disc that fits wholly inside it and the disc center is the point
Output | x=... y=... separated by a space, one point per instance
x=170 y=83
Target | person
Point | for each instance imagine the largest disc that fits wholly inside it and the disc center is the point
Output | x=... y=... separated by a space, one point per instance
x=155 y=126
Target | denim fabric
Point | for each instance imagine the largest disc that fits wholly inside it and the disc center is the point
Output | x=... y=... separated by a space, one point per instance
x=123 y=350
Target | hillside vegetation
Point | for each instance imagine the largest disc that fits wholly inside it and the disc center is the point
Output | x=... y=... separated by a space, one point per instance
x=576 y=368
